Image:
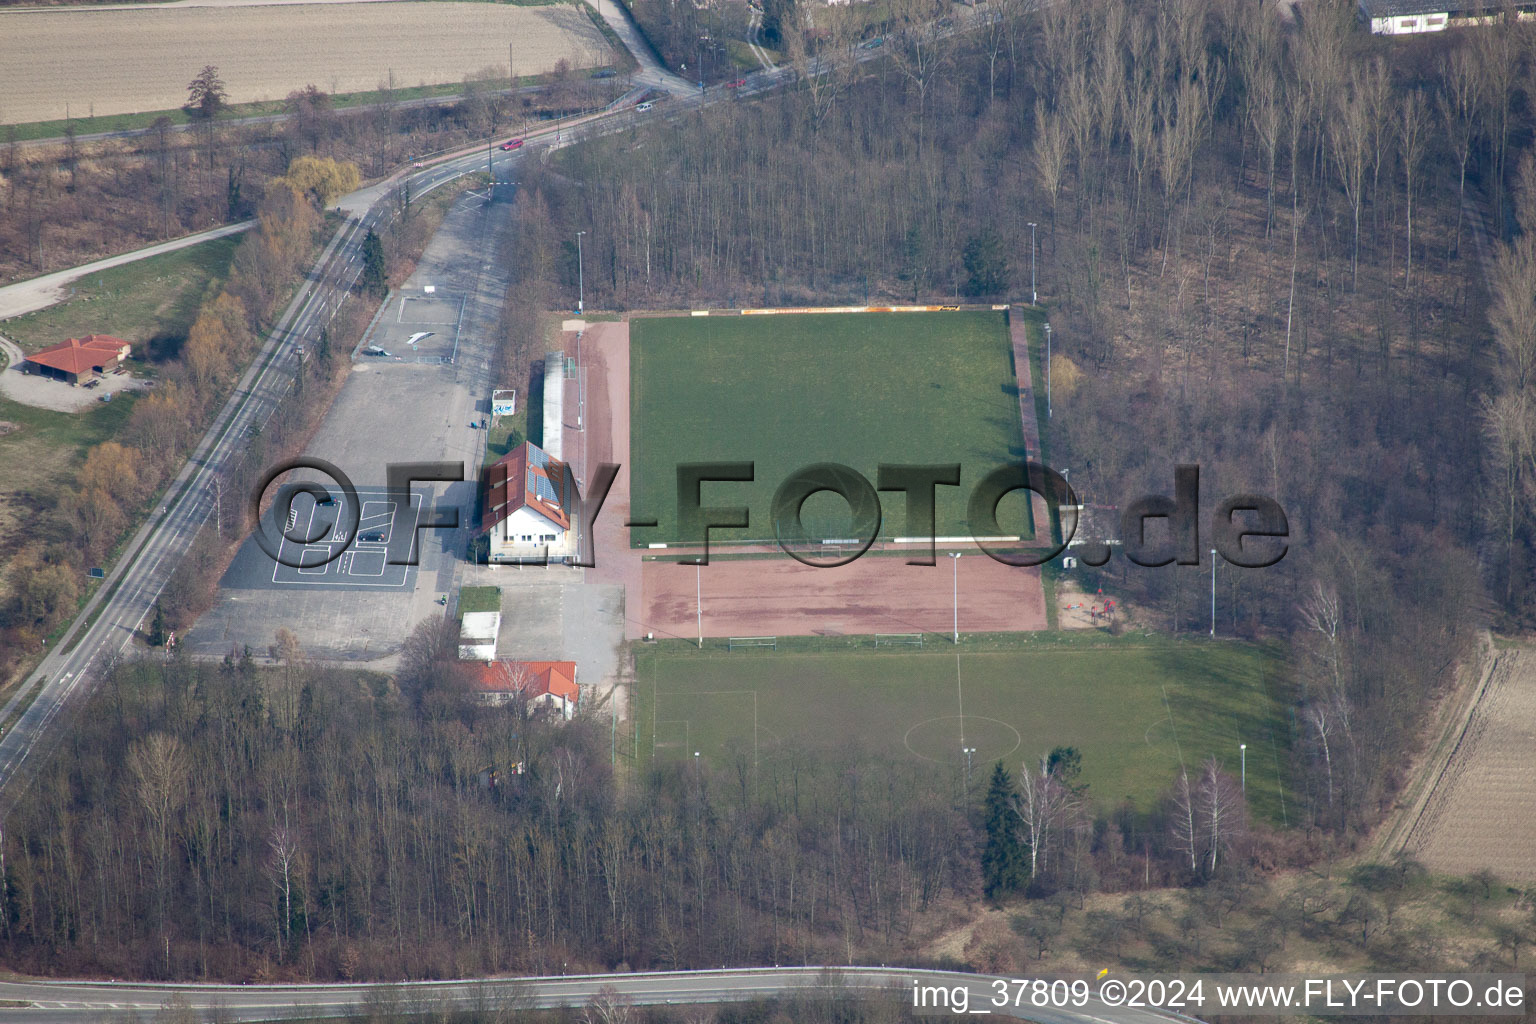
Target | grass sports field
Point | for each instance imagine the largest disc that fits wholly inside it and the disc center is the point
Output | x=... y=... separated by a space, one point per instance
x=1132 y=707
x=787 y=391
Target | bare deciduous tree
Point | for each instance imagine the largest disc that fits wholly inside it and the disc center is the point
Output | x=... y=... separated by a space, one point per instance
x=1412 y=142
x=1223 y=813
x=1049 y=153
x=161 y=769
x=1459 y=106
x=1183 y=826
x=1350 y=134
x=1043 y=804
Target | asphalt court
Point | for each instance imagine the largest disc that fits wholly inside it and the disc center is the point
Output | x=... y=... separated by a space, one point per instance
x=417 y=328
x=432 y=310
x=317 y=549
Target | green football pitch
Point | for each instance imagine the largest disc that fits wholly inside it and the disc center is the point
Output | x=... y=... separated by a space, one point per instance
x=787 y=391
x=1134 y=709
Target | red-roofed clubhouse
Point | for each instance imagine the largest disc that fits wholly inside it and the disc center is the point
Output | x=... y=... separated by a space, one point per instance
x=78 y=359
x=549 y=684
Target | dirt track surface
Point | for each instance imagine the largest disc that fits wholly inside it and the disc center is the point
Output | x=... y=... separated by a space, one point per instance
x=121 y=61
x=605 y=353
x=876 y=594
x=1482 y=812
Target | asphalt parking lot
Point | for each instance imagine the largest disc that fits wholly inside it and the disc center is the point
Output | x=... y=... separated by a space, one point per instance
x=389 y=411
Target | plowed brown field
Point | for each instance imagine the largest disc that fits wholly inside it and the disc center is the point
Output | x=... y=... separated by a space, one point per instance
x=121 y=61
x=1482 y=812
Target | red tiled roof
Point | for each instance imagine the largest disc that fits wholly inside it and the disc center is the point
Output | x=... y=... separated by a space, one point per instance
x=528 y=477
x=531 y=678
x=80 y=355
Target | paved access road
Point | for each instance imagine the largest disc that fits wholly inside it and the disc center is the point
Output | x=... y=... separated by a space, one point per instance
x=67 y=1002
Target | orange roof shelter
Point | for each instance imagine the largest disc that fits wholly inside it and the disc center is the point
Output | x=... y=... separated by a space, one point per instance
x=548 y=683
x=78 y=358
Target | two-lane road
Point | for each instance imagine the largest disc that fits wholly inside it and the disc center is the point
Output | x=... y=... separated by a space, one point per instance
x=67 y=1002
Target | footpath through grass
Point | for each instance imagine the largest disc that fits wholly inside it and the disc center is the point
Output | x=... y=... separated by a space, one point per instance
x=787 y=391
x=149 y=302
x=1134 y=707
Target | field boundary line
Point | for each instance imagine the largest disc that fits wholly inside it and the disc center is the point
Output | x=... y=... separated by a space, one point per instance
x=1394 y=835
x=970 y=307
x=657 y=694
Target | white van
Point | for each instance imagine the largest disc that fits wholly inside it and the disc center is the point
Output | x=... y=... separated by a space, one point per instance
x=642 y=108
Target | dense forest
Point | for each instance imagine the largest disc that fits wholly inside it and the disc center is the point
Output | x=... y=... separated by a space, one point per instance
x=232 y=821
x=300 y=822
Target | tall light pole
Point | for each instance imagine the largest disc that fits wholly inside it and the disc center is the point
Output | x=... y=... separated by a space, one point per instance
x=581 y=283
x=698 y=600
x=1034 y=296
x=1242 y=748
x=1213 y=593
x=1047 y=370
x=955 y=557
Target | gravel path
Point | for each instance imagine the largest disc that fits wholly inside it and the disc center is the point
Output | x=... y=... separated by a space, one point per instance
x=41 y=292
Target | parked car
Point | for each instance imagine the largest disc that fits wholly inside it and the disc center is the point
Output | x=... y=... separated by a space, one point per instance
x=604 y=73
x=642 y=108
x=512 y=144
x=736 y=84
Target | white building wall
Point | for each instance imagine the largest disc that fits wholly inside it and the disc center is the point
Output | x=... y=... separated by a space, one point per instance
x=1408 y=24
x=507 y=537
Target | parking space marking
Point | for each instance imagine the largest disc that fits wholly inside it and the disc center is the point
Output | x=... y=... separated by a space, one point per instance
x=372 y=563
x=316 y=565
x=363 y=563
